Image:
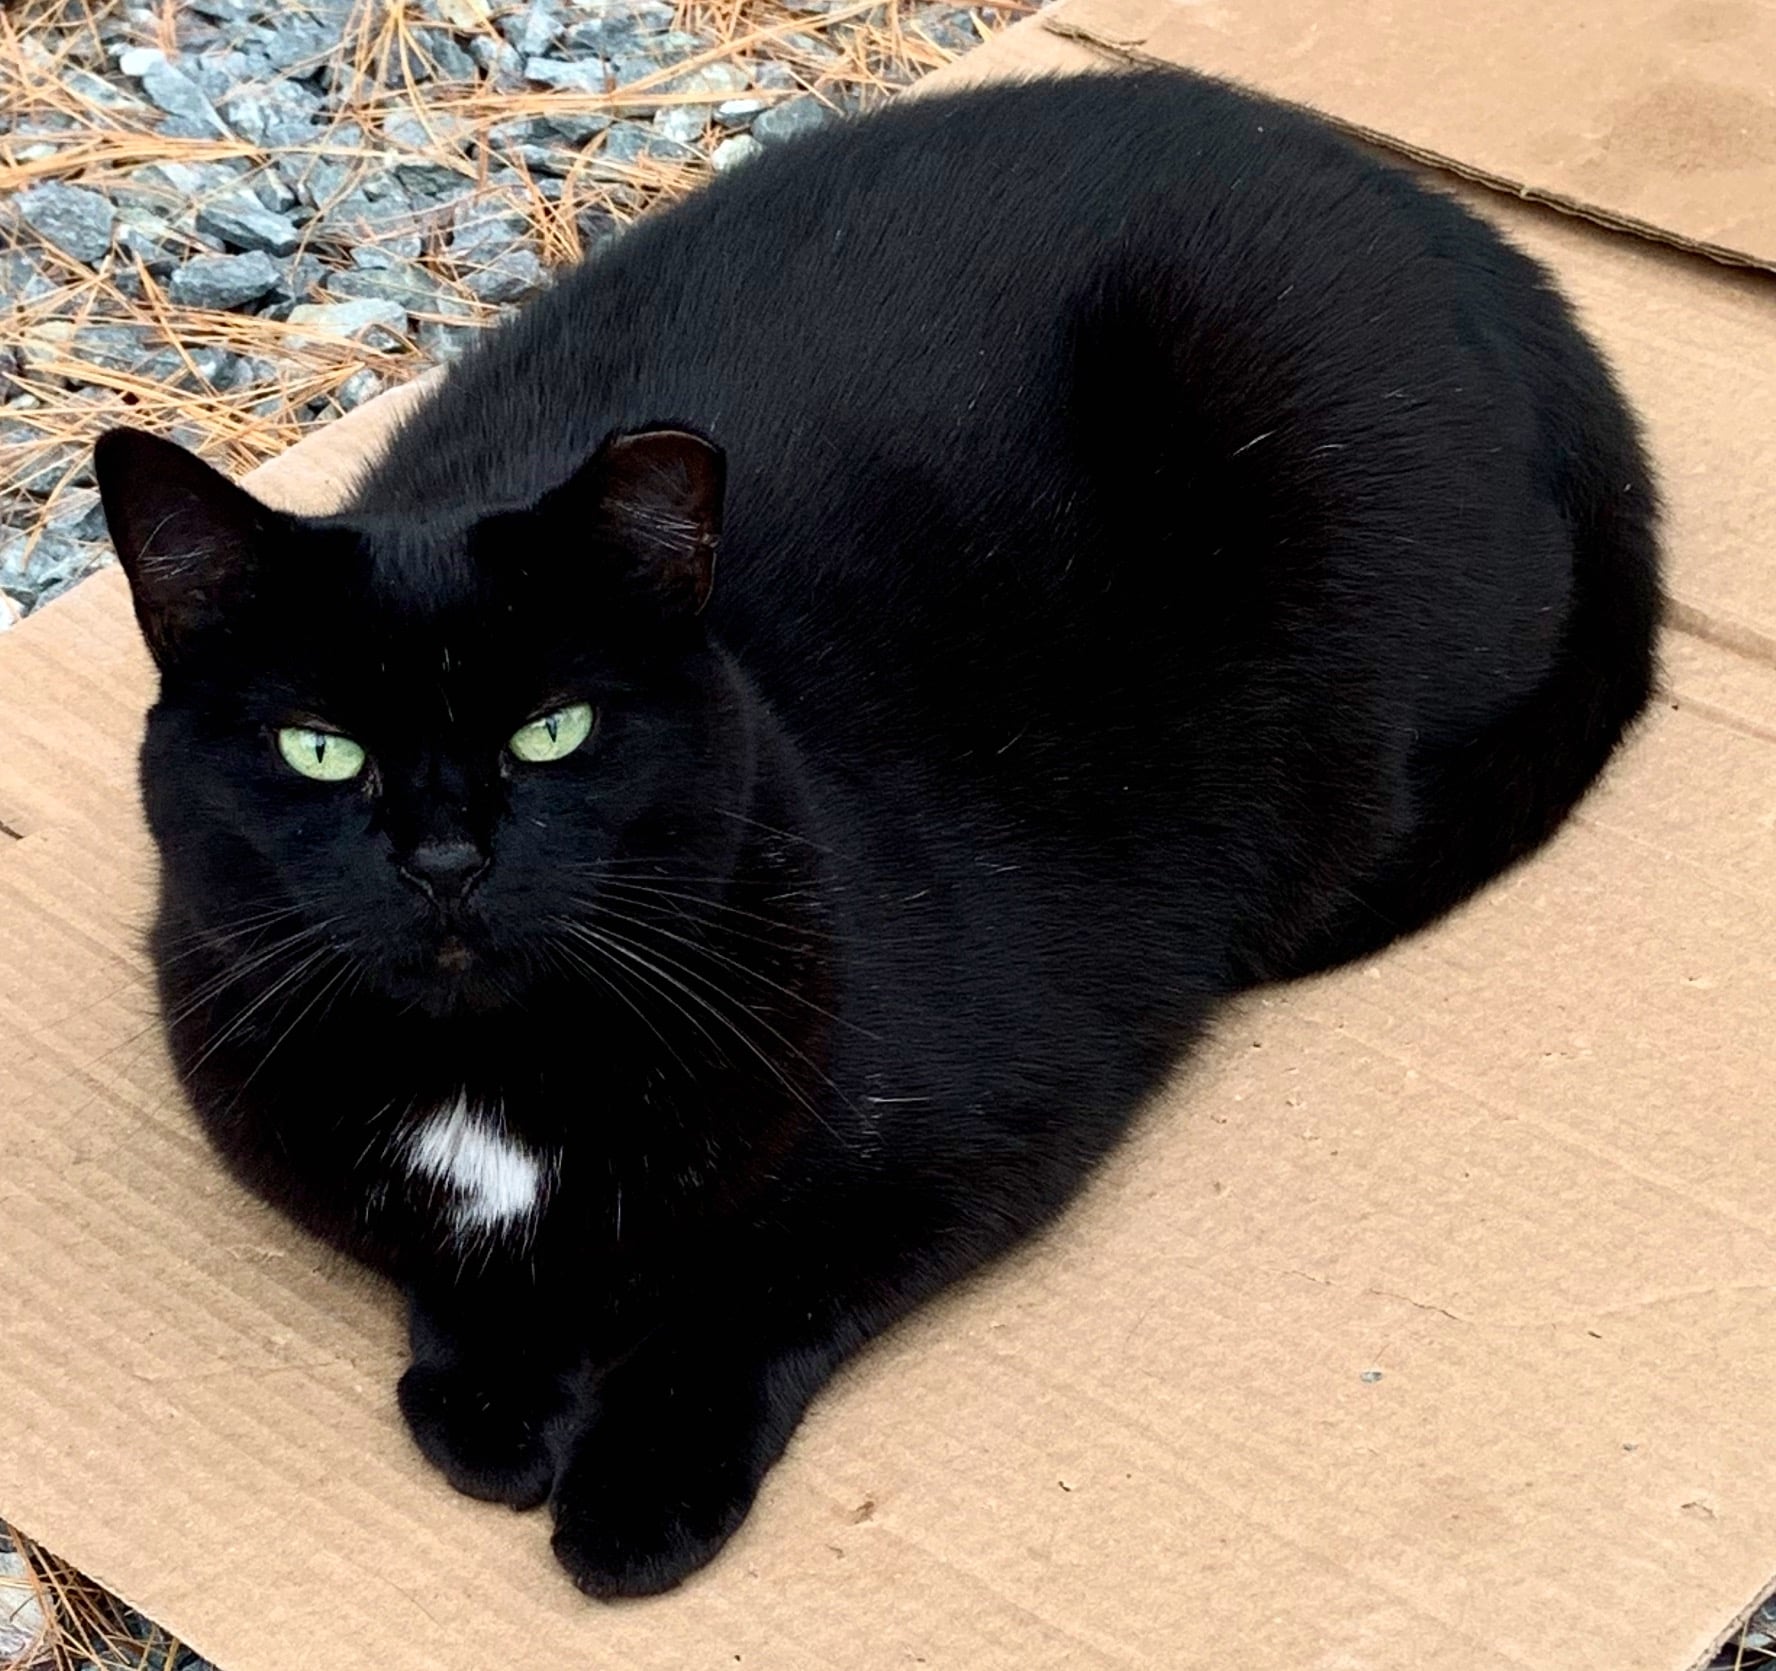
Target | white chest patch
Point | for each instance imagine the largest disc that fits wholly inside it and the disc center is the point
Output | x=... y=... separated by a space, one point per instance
x=497 y=1186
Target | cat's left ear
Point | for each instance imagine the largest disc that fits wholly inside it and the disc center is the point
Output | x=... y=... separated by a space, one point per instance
x=185 y=534
x=655 y=494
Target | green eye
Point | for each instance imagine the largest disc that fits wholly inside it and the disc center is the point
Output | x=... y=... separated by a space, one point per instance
x=322 y=755
x=554 y=736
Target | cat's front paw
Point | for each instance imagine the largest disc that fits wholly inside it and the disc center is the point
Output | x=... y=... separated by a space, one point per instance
x=641 y=1541
x=657 y=1482
x=489 y=1440
x=621 y=1531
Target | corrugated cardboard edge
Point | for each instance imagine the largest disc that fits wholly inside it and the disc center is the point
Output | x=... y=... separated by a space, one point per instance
x=1131 y=47
x=1734 y=636
x=1727 y=1636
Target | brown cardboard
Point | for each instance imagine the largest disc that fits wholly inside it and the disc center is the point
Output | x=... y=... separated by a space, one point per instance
x=1656 y=116
x=1521 y=1167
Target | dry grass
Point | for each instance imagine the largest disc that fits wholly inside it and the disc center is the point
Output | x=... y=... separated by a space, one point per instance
x=80 y=1623
x=874 y=49
x=1742 y=1655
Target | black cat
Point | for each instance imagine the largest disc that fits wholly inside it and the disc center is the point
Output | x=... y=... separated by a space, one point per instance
x=1160 y=550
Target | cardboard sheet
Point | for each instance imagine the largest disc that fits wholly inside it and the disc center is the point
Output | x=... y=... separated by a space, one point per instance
x=1428 y=1319
x=1656 y=116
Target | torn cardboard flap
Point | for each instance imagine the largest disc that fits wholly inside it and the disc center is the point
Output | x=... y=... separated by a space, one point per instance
x=1429 y=1318
x=1653 y=116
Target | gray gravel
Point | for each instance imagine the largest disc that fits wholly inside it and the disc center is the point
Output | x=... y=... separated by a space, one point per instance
x=362 y=221
x=223 y=281
x=22 y=1622
x=77 y=222
x=242 y=222
x=789 y=120
x=733 y=151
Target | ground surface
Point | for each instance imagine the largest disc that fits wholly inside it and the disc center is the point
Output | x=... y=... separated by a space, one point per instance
x=230 y=221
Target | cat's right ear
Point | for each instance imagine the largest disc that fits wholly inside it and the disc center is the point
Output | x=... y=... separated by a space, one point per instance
x=185 y=534
x=655 y=496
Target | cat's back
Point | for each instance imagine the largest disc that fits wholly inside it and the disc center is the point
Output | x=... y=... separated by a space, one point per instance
x=1123 y=455
x=914 y=277
x=977 y=360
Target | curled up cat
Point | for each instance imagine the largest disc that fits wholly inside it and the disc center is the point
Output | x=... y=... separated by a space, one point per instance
x=788 y=745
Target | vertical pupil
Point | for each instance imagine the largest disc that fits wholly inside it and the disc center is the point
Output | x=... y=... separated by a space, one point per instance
x=320 y=738
x=552 y=724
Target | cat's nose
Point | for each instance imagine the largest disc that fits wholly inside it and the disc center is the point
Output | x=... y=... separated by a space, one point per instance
x=444 y=871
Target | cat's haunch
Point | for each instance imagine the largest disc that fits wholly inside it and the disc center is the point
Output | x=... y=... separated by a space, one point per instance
x=784 y=751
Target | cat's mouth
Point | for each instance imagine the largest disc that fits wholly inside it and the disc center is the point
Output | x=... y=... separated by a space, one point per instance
x=446 y=964
x=454 y=956
x=451 y=975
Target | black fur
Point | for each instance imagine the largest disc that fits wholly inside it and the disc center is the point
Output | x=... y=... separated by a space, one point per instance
x=1161 y=550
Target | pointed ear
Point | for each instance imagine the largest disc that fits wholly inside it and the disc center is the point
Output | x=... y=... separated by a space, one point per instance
x=656 y=494
x=185 y=534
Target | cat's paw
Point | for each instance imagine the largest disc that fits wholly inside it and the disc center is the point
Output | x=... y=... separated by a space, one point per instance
x=489 y=1440
x=659 y=1478
x=623 y=1531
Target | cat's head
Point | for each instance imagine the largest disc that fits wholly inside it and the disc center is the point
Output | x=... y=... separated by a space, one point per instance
x=422 y=740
